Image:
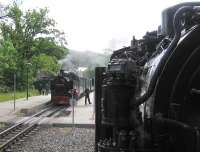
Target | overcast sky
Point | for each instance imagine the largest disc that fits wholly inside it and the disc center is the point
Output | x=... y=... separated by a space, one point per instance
x=99 y=24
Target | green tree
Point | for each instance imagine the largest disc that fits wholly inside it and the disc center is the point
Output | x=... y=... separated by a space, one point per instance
x=7 y=56
x=7 y=64
x=47 y=65
x=28 y=37
x=49 y=47
x=89 y=73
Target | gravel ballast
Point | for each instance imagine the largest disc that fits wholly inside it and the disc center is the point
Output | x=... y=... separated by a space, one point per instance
x=54 y=139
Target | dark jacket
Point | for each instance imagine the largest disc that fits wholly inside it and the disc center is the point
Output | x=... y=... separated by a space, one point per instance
x=87 y=92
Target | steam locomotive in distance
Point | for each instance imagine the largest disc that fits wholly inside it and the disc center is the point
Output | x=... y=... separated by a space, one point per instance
x=147 y=98
x=63 y=87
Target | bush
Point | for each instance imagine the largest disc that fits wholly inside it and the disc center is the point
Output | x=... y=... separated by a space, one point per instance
x=4 y=89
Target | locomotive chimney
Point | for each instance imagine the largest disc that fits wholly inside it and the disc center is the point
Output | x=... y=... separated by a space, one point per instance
x=133 y=42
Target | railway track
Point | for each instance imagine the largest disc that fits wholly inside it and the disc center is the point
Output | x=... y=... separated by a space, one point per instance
x=17 y=132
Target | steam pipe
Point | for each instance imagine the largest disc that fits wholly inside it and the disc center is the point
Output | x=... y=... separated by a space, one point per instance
x=170 y=123
x=177 y=29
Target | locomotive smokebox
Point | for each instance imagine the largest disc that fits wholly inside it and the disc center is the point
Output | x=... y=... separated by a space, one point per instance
x=115 y=103
x=117 y=90
x=118 y=87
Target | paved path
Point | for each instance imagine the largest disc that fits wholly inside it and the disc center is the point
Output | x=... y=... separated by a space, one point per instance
x=7 y=108
x=83 y=114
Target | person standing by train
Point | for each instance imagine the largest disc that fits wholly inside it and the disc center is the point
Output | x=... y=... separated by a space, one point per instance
x=87 y=96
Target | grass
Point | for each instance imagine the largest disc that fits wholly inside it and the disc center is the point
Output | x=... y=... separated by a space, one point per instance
x=21 y=94
x=2 y=125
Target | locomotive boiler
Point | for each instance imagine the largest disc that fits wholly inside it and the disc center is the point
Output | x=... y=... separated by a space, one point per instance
x=147 y=98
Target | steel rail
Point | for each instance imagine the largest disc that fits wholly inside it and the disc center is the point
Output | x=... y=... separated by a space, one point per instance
x=26 y=130
x=3 y=133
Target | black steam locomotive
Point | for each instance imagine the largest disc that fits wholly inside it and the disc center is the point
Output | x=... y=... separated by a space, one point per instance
x=61 y=87
x=66 y=84
x=148 y=97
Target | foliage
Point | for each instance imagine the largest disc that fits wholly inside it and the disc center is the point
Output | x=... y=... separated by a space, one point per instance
x=49 y=47
x=7 y=56
x=29 y=37
x=46 y=64
x=89 y=73
x=7 y=63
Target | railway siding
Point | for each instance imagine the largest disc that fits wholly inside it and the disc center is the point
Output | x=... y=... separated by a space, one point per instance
x=17 y=132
